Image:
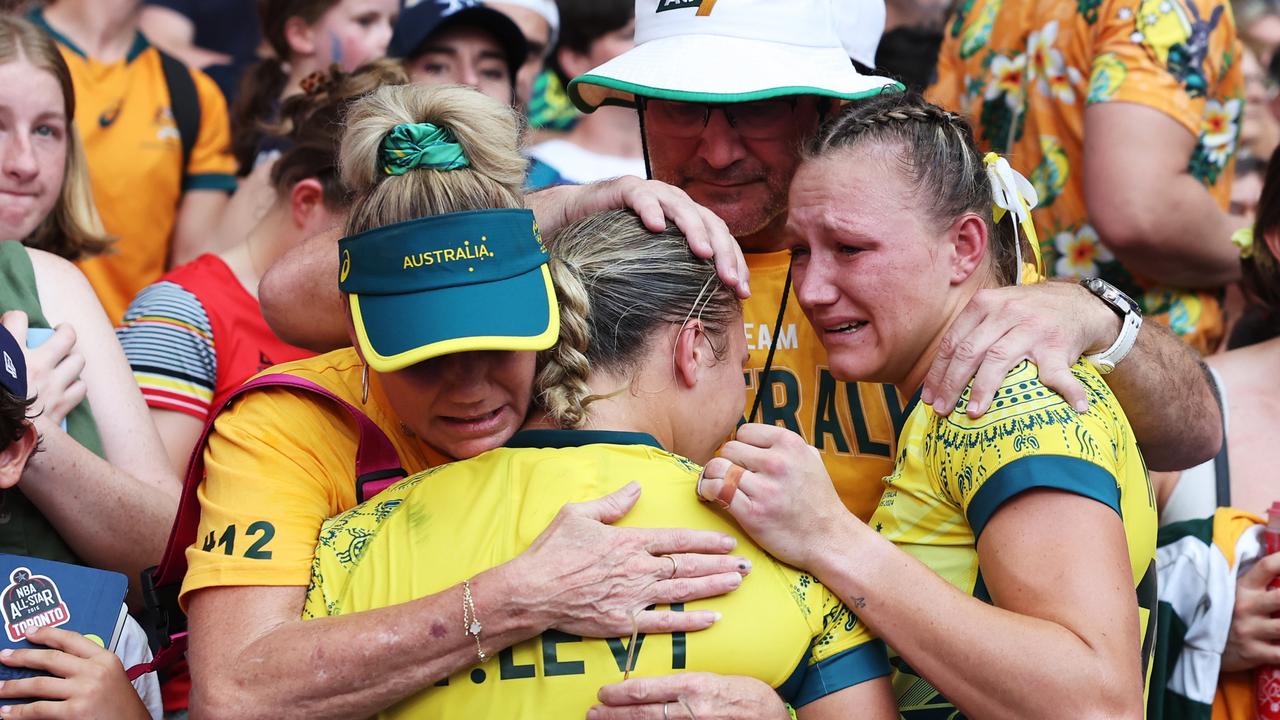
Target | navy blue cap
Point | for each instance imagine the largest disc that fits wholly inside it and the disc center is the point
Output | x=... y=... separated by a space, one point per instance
x=418 y=21
x=13 y=365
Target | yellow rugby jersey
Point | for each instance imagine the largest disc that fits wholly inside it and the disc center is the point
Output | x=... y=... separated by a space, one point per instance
x=278 y=463
x=135 y=160
x=435 y=529
x=954 y=473
x=851 y=424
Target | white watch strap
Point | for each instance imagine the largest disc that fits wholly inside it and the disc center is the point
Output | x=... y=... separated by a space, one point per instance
x=1107 y=360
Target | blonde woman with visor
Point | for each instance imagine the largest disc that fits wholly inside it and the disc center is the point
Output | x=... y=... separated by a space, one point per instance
x=645 y=383
x=440 y=387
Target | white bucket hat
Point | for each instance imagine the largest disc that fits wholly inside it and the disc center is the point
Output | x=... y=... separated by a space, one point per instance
x=725 y=51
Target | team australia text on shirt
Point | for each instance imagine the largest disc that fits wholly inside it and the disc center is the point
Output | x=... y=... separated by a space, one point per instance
x=761 y=338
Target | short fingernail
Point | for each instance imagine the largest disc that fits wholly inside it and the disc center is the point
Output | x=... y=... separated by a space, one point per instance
x=941 y=407
x=729 y=543
x=736 y=580
x=5 y=653
x=926 y=396
x=717 y=617
x=1082 y=406
x=973 y=408
x=593 y=714
x=744 y=566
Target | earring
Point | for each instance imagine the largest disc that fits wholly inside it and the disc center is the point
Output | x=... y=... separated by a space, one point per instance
x=364 y=385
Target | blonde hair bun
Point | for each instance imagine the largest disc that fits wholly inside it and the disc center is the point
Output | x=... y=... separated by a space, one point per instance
x=487 y=130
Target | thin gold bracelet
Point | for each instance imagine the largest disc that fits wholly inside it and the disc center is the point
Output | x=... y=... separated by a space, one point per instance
x=470 y=622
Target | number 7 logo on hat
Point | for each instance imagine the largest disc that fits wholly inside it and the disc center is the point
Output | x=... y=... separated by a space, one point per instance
x=704 y=6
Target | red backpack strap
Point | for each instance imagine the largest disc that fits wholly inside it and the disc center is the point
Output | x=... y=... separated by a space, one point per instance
x=377 y=466
x=165 y=658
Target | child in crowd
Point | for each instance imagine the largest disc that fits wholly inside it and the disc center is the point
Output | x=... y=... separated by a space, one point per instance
x=305 y=36
x=95 y=684
x=46 y=218
x=461 y=43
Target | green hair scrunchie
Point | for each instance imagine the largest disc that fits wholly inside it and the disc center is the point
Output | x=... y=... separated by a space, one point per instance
x=421 y=145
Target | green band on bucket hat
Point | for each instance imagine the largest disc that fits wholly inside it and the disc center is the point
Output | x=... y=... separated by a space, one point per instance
x=473 y=280
x=421 y=145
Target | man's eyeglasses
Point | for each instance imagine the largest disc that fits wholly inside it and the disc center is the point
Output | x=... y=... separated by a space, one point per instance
x=760 y=120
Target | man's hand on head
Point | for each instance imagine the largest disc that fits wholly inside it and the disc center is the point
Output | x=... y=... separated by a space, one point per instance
x=658 y=204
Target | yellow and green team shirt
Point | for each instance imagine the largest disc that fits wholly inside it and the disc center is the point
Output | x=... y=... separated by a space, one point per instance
x=954 y=473
x=135 y=160
x=442 y=526
x=853 y=425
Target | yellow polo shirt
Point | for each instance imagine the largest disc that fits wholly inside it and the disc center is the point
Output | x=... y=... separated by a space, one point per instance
x=135 y=160
x=278 y=463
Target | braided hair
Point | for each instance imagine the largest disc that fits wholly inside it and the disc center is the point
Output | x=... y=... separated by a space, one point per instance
x=616 y=282
x=938 y=155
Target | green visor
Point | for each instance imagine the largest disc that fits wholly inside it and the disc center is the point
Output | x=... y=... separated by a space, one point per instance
x=465 y=281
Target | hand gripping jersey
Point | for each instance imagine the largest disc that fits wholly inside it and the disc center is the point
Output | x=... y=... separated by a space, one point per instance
x=851 y=424
x=442 y=526
x=954 y=473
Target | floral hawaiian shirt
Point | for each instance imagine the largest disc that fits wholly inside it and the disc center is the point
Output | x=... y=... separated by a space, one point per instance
x=1022 y=71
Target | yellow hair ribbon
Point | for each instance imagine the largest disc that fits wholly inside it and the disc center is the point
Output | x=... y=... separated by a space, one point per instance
x=1012 y=193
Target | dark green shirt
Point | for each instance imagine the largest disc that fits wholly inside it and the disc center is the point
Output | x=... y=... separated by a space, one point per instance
x=23 y=529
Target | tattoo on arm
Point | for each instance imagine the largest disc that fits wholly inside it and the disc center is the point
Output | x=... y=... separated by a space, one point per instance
x=859 y=602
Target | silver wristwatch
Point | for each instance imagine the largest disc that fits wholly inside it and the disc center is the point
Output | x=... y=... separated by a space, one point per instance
x=1131 y=322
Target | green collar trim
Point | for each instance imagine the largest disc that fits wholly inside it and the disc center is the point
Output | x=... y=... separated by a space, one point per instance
x=36 y=16
x=579 y=438
x=685 y=96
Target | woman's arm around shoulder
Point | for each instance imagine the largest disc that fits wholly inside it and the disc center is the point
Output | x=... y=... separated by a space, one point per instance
x=579 y=576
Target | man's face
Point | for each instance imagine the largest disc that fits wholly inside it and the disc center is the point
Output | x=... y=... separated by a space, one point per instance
x=537 y=34
x=739 y=165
